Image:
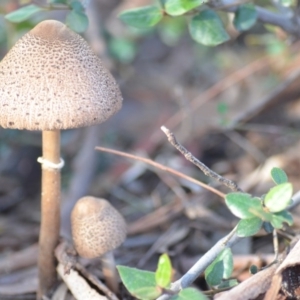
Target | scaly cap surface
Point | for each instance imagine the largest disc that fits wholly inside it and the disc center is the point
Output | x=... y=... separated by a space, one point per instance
x=97 y=227
x=52 y=80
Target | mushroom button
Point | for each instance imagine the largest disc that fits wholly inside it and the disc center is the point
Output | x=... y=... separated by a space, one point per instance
x=97 y=229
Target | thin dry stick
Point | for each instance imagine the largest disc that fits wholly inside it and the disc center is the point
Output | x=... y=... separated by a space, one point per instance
x=162 y=167
x=94 y=280
x=190 y=157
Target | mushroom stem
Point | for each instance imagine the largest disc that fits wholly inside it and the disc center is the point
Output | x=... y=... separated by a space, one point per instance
x=109 y=271
x=50 y=212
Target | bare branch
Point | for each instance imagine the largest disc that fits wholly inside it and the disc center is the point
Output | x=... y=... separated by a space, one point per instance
x=190 y=157
x=199 y=267
x=161 y=167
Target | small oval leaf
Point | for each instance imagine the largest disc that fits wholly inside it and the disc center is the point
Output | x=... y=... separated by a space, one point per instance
x=77 y=6
x=207 y=29
x=268 y=227
x=279 y=176
x=249 y=227
x=163 y=274
x=23 y=13
x=245 y=17
x=139 y=283
x=77 y=21
x=179 y=7
x=279 y=197
x=143 y=17
x=243 y=205
x=278 y=219
x=253 y=269
x=220 y=268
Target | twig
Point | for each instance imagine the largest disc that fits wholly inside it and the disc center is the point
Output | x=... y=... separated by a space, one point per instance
x=66 y=255
x=275 y=245
x=191 y=275
x=190 y=157
x=94 y=280
x=162 y=167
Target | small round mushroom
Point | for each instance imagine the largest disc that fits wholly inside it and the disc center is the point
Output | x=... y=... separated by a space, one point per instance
x=97 y=229
x=51 y=80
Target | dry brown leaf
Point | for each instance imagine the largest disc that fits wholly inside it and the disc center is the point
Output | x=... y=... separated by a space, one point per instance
x=287 y=276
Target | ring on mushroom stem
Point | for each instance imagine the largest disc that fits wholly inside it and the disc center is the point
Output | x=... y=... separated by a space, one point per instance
x=97 y=229
x=49 y=81
x=50 y=165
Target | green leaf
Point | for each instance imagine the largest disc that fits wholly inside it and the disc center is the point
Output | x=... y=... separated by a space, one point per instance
x=207 y=28
x=189 y=294
x=253 y=269
x=243 y=205
x=123 y=50
x=248 y=227
x=279 y=197
x=77 y=21
x=228 y=284
x=143 y=17
x=268 y=227
x=245 y=17
x=23 y=13
x=279 y=176
x=179 y=7
x=163 y=274
x=77 y=6
x=278 y=219
x=141 y=284
x=220 y=268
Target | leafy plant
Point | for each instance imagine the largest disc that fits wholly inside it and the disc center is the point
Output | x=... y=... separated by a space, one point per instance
x=76 y=18
x=269 y=211
x=271 y=208
x=150 y=285
x=205 y=25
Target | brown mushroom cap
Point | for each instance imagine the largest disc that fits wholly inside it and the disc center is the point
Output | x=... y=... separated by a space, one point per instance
x=97 y=227
x=52 y=80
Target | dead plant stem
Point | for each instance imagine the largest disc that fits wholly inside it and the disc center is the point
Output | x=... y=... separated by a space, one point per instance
x=190 y=157
x=161 y=167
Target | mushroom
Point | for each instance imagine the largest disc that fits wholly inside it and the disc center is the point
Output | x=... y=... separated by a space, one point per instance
x=97 y=229
x=51 y=80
